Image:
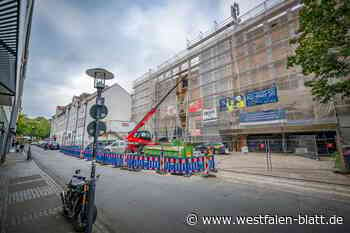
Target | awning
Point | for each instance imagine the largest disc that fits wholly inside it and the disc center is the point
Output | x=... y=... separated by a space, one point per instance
x=9 y=31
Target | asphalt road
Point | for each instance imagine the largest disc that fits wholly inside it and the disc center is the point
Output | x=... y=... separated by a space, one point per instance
x=145 y=202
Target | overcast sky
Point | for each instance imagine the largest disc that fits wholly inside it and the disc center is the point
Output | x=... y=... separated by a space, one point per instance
x=125 y=37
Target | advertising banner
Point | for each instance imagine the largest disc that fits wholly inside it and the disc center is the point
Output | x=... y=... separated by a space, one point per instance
x=263 y=117
x=195 y=132
x=238 y=102
x=195 y=106
x=223 y=104
x=210 y=114
x=120 y=126
x=231 y=103
x=171 y=110
x=265 y=96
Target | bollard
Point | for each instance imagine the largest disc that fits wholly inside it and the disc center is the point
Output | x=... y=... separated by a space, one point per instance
x=206 y=173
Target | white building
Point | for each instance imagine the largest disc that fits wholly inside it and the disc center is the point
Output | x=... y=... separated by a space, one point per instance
x=118 y=102
x=70 y=122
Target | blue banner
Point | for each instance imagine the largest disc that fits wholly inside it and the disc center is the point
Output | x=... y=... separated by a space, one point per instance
x=223 y=104
x=265 y=96
x=268 y=115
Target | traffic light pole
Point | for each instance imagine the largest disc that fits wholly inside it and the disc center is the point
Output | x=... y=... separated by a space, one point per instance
x=92 y=187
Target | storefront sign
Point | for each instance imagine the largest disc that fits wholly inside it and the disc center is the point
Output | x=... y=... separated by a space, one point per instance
x=209 y=114
x=263 y=117
x=262 y=97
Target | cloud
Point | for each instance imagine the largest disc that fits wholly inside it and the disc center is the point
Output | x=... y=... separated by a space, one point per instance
x=125 y=37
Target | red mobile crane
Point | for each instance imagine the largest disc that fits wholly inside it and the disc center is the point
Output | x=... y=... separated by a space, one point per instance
x=138 y=139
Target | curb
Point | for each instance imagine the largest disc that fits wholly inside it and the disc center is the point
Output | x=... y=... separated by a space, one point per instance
x=323 y=191
x=99 y=226
x=284 y=177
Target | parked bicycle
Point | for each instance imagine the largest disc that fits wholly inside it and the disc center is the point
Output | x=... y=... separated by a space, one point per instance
x=75 y=200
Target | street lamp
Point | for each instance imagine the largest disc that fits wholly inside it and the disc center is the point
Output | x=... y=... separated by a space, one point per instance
x=98 y=111
x=100 y=76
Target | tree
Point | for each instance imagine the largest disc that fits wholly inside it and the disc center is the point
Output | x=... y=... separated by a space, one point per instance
x=22 y=127
x=323 y=47
x=38 y=127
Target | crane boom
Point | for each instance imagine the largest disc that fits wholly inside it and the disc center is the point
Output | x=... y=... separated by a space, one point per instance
x=152 y=111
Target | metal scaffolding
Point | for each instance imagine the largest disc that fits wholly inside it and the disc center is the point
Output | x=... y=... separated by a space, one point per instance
x=245 y=57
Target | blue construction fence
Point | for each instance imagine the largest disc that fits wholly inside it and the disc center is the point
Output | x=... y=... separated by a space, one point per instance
x=134 y=161
x=74 y=151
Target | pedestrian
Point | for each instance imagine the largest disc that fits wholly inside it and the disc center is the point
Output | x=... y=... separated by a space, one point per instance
x=21 y=147
x=16 y=146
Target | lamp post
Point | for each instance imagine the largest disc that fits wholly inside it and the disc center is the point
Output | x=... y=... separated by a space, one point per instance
x=98 y=112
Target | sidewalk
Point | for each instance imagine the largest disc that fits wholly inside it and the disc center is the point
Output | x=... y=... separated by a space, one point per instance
x=286 y=166
x=29 y=199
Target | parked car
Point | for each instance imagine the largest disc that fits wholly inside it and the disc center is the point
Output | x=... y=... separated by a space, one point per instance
x=118 y=146
x=42 y=144
x=54 y=146
x=100 y=145
x=202 y=149
x=218 y=148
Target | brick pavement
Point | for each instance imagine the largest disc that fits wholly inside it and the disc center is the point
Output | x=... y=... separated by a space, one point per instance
x=283 y=165
x=29 y=199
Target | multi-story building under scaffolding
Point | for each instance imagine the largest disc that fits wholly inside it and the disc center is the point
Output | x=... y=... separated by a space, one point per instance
x=239 y=89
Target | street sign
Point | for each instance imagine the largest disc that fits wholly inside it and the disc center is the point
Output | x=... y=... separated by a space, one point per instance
x=101 y=128
x=102 y=113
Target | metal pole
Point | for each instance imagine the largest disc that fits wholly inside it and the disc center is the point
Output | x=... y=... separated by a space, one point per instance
x=339 y=138
x=270 y=156
x=316 y=148
x=83 y=139
x=267 y=155
x=91 y=200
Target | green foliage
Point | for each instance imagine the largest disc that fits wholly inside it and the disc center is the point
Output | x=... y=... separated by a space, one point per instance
x=323 y=47
x=38 y=127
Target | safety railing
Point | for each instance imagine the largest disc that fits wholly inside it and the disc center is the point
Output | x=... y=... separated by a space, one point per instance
x=133 y=161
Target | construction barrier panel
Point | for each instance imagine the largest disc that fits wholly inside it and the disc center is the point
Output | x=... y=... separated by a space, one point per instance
x=73 y=150
x=134 y=161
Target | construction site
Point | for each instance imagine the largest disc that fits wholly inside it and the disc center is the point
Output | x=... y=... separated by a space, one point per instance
x=236 y=89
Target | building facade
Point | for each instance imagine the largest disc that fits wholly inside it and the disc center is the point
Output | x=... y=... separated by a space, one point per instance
x=238 y=89
x=69 y=123
x=14 y=53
